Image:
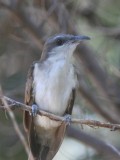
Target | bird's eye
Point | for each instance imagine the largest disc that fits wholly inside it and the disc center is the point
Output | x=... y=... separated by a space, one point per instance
x=59 y=42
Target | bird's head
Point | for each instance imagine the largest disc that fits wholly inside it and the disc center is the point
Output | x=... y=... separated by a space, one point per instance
x=62 y=44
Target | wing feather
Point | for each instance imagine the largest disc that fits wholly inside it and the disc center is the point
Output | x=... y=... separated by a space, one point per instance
x=29 y=99
x=70 y=103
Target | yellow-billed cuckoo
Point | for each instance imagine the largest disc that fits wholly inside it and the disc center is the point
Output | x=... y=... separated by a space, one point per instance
x=51 y=85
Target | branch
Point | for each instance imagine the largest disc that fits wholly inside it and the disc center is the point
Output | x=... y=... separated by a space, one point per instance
x=16 y=127
x=92 y=123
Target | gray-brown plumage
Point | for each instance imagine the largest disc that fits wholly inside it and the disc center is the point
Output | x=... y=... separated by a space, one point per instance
x=51 y=85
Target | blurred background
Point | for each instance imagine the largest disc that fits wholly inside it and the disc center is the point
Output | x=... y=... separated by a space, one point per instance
x=24 y=27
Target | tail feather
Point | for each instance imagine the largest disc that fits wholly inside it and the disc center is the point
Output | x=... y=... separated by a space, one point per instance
x=43 y=149
x=44 y=152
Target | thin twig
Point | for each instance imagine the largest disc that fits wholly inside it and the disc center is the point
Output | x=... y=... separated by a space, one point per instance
x=92 y=123
x=16 y=127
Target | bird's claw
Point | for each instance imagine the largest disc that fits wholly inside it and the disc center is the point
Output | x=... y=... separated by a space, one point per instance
x=34 y=110
x=67 y=119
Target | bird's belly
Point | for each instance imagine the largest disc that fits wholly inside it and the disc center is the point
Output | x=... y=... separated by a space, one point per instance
x=52 y=92
x=53 y=96
x=44 y=123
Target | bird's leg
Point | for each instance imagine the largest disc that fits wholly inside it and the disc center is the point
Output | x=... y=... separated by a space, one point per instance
x=35 y=110
x=67 y=119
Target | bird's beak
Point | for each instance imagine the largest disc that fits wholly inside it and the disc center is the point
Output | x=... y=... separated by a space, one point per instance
x=77 y=39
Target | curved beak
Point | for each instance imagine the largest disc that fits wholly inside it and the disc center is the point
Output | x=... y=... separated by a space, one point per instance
x=77 y=39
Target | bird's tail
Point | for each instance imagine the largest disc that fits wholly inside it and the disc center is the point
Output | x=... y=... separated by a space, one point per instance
x=47 y=151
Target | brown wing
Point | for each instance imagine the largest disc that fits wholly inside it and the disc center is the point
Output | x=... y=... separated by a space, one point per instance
x=70 y=103
x=28 y=97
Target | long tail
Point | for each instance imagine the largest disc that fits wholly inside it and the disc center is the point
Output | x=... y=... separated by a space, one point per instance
x=46 y=151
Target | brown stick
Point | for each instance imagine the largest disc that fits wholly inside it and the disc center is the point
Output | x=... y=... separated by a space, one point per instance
x=92 y=123
x=16 y=127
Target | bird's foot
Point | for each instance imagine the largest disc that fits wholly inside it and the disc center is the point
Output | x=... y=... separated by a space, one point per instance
x=34 y=110
x=67 y=119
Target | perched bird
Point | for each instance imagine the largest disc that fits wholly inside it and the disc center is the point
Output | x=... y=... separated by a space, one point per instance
x=50 y=86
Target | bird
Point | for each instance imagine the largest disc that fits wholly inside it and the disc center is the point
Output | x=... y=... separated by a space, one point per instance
x=51 y=86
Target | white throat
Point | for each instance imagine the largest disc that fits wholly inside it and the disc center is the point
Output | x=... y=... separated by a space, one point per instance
x=62 y=52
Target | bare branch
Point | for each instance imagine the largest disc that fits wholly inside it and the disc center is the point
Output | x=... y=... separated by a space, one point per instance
x=92 y=123
x=16 y=127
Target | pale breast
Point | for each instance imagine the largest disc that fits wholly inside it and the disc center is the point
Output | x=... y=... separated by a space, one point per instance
x=53 y=86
